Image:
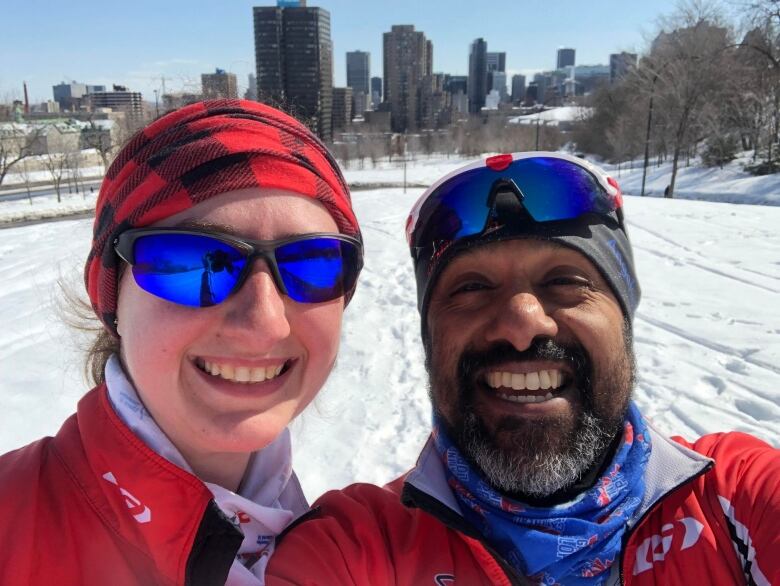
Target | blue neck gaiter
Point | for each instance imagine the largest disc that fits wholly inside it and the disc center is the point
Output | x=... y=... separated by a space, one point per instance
x=575 y=543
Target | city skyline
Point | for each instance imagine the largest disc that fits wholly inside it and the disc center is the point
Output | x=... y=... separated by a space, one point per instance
x=145 y=48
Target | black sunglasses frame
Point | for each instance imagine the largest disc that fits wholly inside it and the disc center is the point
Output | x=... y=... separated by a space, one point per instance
x=124 y=246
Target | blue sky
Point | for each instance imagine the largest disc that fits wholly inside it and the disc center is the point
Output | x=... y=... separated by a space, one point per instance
x=136 y=43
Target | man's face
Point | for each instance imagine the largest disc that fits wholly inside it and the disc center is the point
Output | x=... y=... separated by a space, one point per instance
x=530 y=364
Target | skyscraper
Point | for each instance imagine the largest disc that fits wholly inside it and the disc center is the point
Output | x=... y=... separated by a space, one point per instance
x=251 y=89
x=518 y=88
x=496 y=73
x=219 y=84
x=496 y=61
x=294 y=61
x=565 y=58
x=477 y=75
x=376 y=92
x=498 y=83
x=408 y=64
x=342 y=108
x=358 y=68
x=358 y=72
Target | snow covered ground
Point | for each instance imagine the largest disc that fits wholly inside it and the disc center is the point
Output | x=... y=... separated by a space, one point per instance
x=554 y=116
x=730 y=184
x=707 y=332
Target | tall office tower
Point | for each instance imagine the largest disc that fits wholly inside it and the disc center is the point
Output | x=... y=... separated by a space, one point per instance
x=496 y=61
x=219 y=84
x=358 y=72
x=620 y=64
x=456 y=84
x=540 y=82
x=358 y=68
x=496 y=73
x=408 y=63
x=532 y=94
x=251 y=88
x=498 y=83
x=565 y=58
x=342 y=108
x=376 y=92
x=477 y=75
x=518 y=88
x=294 y=61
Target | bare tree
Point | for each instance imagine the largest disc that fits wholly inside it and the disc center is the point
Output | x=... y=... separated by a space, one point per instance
x=56 y=164
x=623 y=138
x=759 y=60
x=16 y=144
x=683 y=72
x=24 y=172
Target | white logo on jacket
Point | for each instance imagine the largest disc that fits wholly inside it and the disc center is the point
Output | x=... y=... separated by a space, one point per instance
x=142 y=515
x=654 y=548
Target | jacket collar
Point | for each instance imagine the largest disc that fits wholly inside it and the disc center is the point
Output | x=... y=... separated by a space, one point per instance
x=669 y=466
x=269 y=497
x=153 y=505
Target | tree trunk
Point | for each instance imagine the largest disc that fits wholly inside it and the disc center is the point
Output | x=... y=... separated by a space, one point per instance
x=675 y=161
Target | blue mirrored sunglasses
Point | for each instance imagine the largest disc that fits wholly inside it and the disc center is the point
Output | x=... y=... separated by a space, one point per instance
x=549 y=189
x=203 y=268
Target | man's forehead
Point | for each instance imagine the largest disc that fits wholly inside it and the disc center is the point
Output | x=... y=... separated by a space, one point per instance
x=508 y=249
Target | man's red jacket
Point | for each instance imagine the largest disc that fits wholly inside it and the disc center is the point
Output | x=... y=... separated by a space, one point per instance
x=710 y=515
x=94 y=506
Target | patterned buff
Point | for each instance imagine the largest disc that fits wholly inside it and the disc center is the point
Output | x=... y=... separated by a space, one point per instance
x=195 y=153
x=575 y=543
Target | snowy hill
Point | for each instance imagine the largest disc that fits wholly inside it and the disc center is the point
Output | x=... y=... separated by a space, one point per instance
x=707 y=334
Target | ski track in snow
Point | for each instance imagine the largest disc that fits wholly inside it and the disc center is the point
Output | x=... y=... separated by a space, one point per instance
x=707 y=335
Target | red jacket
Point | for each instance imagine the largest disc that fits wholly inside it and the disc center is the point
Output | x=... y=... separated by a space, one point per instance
x=710 y=515
x=95 y=506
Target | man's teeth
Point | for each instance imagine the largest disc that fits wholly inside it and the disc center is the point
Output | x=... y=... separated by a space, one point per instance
x=530 y=381
x=241 y=374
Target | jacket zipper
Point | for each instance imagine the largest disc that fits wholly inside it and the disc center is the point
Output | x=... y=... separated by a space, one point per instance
x=411 y=497
x=650 y=510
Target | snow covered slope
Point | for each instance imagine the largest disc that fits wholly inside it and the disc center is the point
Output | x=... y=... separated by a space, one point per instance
x=707 y=335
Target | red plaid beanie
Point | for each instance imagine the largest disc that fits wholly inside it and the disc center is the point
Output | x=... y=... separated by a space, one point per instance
x=195 y=153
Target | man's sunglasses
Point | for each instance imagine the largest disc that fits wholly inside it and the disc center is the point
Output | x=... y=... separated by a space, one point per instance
x=550 y=187
x=202 y=268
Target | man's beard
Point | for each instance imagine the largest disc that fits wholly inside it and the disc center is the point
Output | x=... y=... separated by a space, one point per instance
x=541 y=456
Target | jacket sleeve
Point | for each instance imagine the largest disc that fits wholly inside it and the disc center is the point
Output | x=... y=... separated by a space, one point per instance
x=747 y=489
x=343 y=543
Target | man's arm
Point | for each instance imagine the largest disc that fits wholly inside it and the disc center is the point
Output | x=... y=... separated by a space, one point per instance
x=746 y=479
x=342 y=543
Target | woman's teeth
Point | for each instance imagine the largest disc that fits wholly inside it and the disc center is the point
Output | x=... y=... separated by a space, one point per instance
x=529 y=381
x=241 y=374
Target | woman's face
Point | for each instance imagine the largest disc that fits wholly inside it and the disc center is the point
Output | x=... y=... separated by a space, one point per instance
x=166 y=348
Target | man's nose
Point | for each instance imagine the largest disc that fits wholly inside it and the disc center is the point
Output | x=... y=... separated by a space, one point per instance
x=518 y=319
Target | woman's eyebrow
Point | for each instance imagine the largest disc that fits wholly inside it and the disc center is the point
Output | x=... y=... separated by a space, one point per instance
x=207 y=225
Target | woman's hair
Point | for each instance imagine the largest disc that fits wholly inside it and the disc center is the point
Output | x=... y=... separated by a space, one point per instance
x=102 y=347
x=77 y=313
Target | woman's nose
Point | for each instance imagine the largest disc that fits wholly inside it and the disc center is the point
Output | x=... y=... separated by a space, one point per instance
x=260 y=306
